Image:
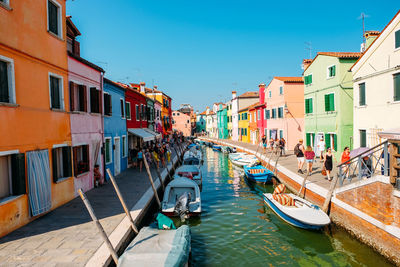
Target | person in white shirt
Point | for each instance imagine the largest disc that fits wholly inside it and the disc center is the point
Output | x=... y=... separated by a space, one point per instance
x=321 y=149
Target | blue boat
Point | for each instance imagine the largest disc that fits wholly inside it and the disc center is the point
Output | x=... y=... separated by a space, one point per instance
x=216 y=148
x=258 y=174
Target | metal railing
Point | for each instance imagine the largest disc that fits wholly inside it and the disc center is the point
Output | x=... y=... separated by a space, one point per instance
x=368 y=163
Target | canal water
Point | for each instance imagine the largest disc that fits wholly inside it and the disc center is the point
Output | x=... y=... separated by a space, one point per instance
x=236 y=228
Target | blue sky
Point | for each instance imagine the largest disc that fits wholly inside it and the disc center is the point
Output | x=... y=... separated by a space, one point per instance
x=197 y=52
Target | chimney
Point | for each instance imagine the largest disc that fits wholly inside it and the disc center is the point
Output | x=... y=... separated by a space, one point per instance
x=306 y=63
x=207 y=110
x=142 y=85
x=370 y=36
x=233 y=94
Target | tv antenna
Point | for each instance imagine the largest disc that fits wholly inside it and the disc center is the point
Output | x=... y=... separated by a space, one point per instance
x=362 y=17
x=309 y=48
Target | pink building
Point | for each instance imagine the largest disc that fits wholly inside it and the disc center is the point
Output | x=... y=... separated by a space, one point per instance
x=157 y=121
x=86 y=94
x=284 y=98
x=181 y=123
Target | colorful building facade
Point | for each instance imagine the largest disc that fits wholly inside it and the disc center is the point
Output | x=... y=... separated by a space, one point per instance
x=229 y=118
x=222 y=121
x=166 y=108
x=285 y=110
x=181 y=123
x=253 y=127
x=243 y=123
x=328 y=97
x=201 y=122
x=36 y=159
x=261 y=114
x=239 y=103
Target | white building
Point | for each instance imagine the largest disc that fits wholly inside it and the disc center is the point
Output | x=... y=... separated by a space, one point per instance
x=239 y=103
x=377 y=85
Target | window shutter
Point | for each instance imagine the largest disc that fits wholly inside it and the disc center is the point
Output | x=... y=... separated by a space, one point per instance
x=308 y=139
x=396 y=85
x=327 y=140
x=397 y=39
x=335 y=142
x=100 y=101
x=72 y=96
x=327 y=103
x=332 y=102
x=4 y=93
x=334 y=70
x=75 y=159
x=310 y=105
x=18 y=174
x=84 y=88
x=55 y=93
x=362 y=94
x=55 y=167
x=306 y=106
x=67 y=166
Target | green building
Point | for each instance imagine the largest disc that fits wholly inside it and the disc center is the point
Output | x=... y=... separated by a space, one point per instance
x=328 y=95
x=222 y=119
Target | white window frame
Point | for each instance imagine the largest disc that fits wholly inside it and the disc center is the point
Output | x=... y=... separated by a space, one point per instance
x=6 y=3
x=11 y=80
x=130 y=111
x=60 y=20
x=105 y=147
x=312 y=105
x=61 y=88
x=124 y=145
x=123 y=107
x=327 y=72
x=334 y=101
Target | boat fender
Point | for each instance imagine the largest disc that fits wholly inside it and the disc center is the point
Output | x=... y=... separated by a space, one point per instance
x=315 y=207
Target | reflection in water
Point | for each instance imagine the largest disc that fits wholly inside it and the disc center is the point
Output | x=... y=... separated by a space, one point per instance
x=237 y=229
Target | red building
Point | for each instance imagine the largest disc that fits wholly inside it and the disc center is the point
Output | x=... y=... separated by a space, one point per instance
x=261 y=116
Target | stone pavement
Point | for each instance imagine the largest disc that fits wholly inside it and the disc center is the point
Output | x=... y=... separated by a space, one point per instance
x=67 y=236
x=289 y=161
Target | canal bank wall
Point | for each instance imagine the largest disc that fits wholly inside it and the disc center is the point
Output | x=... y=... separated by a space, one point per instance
x=368 y=209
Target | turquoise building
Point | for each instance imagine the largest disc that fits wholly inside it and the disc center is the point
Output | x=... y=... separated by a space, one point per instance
x=222 y=119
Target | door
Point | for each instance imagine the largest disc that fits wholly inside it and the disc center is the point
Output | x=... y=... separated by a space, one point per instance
x=117 y=156
x=318 y=138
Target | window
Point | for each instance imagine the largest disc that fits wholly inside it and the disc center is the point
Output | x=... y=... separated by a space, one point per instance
x=77 y=94
x=331 y=141
x=137 y=112
x=54 y=18
x=107 y=104
x=331 y=72
x=142 y=113
x=7 y=84
x=309 y=105
x=273 y=113
x=12 y=175
x=250 y=117
x=330 y=102
x=95 y=100
x=308 y=79
x=310 y=139
x=269 y=94
x=56 y=92
x=122 y=108
x=173 y=114
x=361 y=86
x=397 y=39
x=281 y=90
x=363 y=138
x=396 y=86
x=108 y=150
x=258 y=114
x=124 y=147
x=128 y=110
x=81 y=159
x=280 y=112
x=280 y=133
x=62 y=164
x=267 y=114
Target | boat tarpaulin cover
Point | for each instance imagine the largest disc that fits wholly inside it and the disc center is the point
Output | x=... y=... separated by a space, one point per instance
x=142 y=133
x=164 y=222
x=154 y=247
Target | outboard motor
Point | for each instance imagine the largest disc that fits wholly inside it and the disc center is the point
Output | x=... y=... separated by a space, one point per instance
x=182 y=206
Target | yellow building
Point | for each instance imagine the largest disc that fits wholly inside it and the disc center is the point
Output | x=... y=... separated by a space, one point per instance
x=244 y=132
x=229 y=118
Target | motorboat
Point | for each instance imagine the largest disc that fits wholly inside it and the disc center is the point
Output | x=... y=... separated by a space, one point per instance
x=190 y=171
x=192 y=161
x=245 y=160
x=193 y=152
x=156 y=247
x=181 y=198
x=295 y=210
x=216 y=147
x=236 y=155
x=258 y=174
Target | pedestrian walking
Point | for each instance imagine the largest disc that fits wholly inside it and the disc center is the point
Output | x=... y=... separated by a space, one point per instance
x=264 y=141
x=321 y=148
x=310 y=157
x=282 y=144
x=299 y=152
x=140 y=159
x=328 y=163
x=345 y=158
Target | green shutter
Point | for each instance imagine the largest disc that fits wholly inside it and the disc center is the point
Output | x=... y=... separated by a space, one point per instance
x=310 y=105
x=362 y=94
x=18 y=174
x=327 y=103
x=308 y=139
x=310 y=79
x=334 y=70
x=397 y=39
x=67 y=162
x=335 y=142
x=327 y=141
x=396 y=85
x=332 y=102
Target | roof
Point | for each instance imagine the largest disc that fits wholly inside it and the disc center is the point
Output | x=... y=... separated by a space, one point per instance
x=253 y=106
x=72 y=27
x=246 y=108
x=204 y=112
x=114 y=83
x=372 y=32
x=290 y=79
x=348 y=55
x=249 y=95
x=387 y=25
x=84 y=61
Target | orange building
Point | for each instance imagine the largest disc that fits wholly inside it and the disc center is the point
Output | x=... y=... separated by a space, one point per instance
x=35 y=135
x=166 y=108
x=253 y=128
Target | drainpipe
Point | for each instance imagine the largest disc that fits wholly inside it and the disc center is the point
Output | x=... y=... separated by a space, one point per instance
x=102 y=151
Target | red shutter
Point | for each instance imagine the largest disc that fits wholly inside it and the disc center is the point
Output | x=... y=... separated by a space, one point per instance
x=72 y=95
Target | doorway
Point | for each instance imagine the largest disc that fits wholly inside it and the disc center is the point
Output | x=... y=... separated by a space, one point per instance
x=117 y=156
x=318 y=138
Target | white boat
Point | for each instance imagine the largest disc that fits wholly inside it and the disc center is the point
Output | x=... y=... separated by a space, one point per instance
x=303 y=214
x=190 y=171
x=245 y=160
x=193 y=152
x=181 y=198
x=236 y=155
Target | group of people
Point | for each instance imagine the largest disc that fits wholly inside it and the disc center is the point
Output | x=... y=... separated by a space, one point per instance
x=276 y=145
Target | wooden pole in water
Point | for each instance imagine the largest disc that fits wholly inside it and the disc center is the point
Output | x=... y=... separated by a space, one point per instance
x=330 y=193
x=158 y=171
x=276 y=163
x=303 y=184
x=99 y=226
x=127 y=212
x=151 y=180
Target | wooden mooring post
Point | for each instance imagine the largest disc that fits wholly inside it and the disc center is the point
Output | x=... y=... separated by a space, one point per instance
x=151 y=180
x=123 y=203
x=303 y=184
x=158 y=171
x=99 y=226
x=328 y=198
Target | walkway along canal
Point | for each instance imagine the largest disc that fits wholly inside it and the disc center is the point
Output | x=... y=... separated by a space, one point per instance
x=236 y=228
x=367 y=208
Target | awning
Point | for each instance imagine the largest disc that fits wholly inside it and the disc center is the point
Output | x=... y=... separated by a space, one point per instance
x=157 y=135
x=142 y=134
